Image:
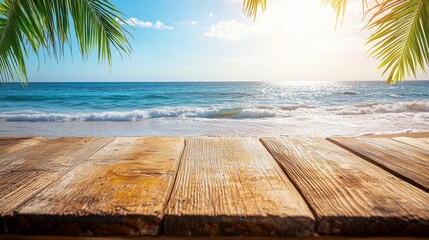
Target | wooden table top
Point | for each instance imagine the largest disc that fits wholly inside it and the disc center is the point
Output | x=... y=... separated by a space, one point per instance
x=214 y=186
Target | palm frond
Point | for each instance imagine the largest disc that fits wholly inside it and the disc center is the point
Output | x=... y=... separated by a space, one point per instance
x=400 y=40
x=96 y=25
x=340 y=7
x=251 y=7
x=19 y=29
x=34 y=25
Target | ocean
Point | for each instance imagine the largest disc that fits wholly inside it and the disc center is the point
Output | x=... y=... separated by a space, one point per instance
x=213 y=108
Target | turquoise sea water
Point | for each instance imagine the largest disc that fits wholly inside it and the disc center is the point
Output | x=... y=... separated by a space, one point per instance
x=229 y=103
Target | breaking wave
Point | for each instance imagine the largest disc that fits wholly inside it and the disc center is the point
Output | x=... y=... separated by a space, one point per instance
x=374 y=108
x=254 y=112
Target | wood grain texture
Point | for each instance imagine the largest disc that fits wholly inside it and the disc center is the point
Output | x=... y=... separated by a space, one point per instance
x=349 y=195
x=403 y=160
x=232 y=186
x=422 y=143
x=8 y=145
x=26 y=172
x=120 y=190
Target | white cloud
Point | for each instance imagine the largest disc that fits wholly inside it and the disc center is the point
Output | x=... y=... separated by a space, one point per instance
x=211 y=15
x=146 y=24
x=138 y=23
x=280 y=22
x=229 y=31
x=292 y=40
x=161 y=26
x=187 y=23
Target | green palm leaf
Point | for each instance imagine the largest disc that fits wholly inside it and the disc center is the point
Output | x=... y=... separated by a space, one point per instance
x=400 y=40
x=44 y=25
x=14 y=43
x=340 y=6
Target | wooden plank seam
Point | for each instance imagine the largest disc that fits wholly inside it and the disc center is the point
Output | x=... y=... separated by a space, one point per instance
x=212 y=197
x=135 y=173
x=294 y=184
x=388 y=211
x=162 y=226
x=385 y=168
x=417 y=143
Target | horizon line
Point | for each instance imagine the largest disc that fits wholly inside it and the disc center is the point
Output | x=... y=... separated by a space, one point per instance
x=216 y=81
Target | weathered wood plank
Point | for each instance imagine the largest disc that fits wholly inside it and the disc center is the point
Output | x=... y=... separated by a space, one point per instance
x=120 y=190
x=422 y=143
x=349 y=195
x=26 y=172
x=232 y=186
x=404 y=161
x=8 y=145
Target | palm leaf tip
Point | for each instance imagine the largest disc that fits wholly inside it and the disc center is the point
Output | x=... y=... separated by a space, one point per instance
x=251 y=7
x=340 y=7
x=400 y=40
x=96 y=26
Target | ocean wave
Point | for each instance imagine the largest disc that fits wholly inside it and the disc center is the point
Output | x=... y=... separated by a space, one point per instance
x=138 y=115
x=252 y=112
x=377 y=108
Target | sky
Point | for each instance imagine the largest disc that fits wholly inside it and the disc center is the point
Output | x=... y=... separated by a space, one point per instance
x=211 y=40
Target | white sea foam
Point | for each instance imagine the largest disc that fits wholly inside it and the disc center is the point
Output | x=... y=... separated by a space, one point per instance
x=400 y=107
x=138 y=115
x=254 y=112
